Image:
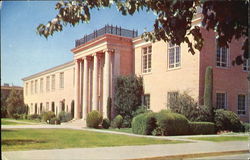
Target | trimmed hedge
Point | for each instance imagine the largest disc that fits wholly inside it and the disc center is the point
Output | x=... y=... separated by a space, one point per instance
x=196 y=128
x=105 y=123
x=227 y=120
x=246 y=127
x=117 y=122
x=144 y=123
x=64 y=116
x=47 y=116
x=94 y=118
x=172 y=123
x=55 y=120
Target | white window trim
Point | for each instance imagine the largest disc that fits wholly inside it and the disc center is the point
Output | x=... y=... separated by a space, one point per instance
x=226 y=99
x=228 y=55
x=246 y=102
x=248 y=64
x=147 y=46
x=174 y=68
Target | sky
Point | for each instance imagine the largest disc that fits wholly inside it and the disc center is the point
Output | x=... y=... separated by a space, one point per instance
x=24 y=52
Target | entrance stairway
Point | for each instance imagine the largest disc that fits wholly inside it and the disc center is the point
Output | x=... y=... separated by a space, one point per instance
x=76 y=122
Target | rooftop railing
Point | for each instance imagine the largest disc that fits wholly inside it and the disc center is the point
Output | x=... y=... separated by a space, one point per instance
x=107 y=29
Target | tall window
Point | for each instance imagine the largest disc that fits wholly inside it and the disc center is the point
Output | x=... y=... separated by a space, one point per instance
x=146 y=59
x=47 y=83
x=222 y=56
x=241 y=104
x=35 y=86
x=53 y=82
x=221 y=100
x=246 y=66
x=27 y=88
x=62 y=80
x=41 y=85
x=174 y=56
x=172 y=98
x=31 y=87
x=146 y=100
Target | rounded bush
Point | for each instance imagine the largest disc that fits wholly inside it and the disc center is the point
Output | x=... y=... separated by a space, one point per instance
x=105 y=123
x=227 y=120
x=47 y=116
x=172 y=123
x=246 y=127
x=94 y=118
x=34 y=116
x=117 y=122
x=64 y=116
x=55 y=120
x=144 y=123
x=197 y=128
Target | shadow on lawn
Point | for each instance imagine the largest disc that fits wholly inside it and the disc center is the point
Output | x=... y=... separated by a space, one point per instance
x=20 y=141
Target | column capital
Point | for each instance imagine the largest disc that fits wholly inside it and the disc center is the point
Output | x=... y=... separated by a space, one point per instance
x=109 y=50
x=96 y=54
x=86 y=58
x=78 y=60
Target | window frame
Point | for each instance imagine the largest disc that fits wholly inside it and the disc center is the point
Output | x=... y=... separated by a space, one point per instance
x=53 y=82
x=245 y=105
x=246 y=66
x=148 y=54
x=220 y=57
x=174 y=47
x=61 y=80
x=146 y=100
x=225 y=102
x=41 y=85
x=47 y=83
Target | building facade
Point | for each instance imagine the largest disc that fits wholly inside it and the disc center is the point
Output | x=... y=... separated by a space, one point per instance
x=85 y=83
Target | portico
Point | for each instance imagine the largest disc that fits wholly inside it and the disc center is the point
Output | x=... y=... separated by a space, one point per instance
x=93 y=74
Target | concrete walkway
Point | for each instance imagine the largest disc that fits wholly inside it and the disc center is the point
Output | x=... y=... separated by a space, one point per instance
x=124 y=152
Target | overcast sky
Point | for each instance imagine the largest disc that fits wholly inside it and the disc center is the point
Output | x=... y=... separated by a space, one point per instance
x=24 y=53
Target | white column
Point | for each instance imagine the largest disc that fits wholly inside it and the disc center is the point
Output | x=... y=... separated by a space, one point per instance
x=95 y=88
x=106 y=76
x=85 y=89
x=76 y=104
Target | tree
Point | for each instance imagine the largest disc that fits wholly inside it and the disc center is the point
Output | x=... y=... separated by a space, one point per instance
x=128 y=92
x=229 y=18
x=15 y=104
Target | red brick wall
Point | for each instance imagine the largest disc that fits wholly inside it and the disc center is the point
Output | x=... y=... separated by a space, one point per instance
x=232 y=80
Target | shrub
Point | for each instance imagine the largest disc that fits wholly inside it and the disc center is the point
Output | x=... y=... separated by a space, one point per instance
x=105 y=123
x=34 y=116
x=109 y=105
x=172 y=123
x=201 y=128
x=141 y=109
x=47 y=116
x=16 y=116
x=117 y=122
x=94 y=118
x=64 y=116
x=246 y=127
x=126 y=122
x=55 y=120
x=208 y=89
x=24 y=116
x=227 y=120
x=144 y=123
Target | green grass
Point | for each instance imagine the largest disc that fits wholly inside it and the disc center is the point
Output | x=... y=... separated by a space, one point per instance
x=222 y=138
x=125 y=130
x=9 y=121
x=28 y=139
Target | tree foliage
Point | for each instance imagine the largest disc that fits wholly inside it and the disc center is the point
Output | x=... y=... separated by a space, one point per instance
x=15 y=103
x=173 y=23
x=128 y=92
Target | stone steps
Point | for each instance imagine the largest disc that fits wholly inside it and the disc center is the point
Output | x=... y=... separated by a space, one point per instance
x=78 y=122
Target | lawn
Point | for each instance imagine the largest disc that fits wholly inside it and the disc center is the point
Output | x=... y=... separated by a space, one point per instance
x=28 y=139
x=9 y=121
x=222 y=138
x=125 y=130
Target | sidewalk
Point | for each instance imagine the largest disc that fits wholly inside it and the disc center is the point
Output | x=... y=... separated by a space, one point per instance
x=124 y=152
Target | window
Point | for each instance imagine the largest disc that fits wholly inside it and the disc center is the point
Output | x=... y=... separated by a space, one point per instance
x=172 y=98
x=62 y=80
x=27 y=88
x=53 y=83
x=221 y=100
x=246 y=66
x=41 y=85
x=47 y=83
x=174 y=56
x=35 y=86
x=47 y=106
x=146 y=59
x=146 y=100
x=241 y=104
x=31 y=87
x=222 y=56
